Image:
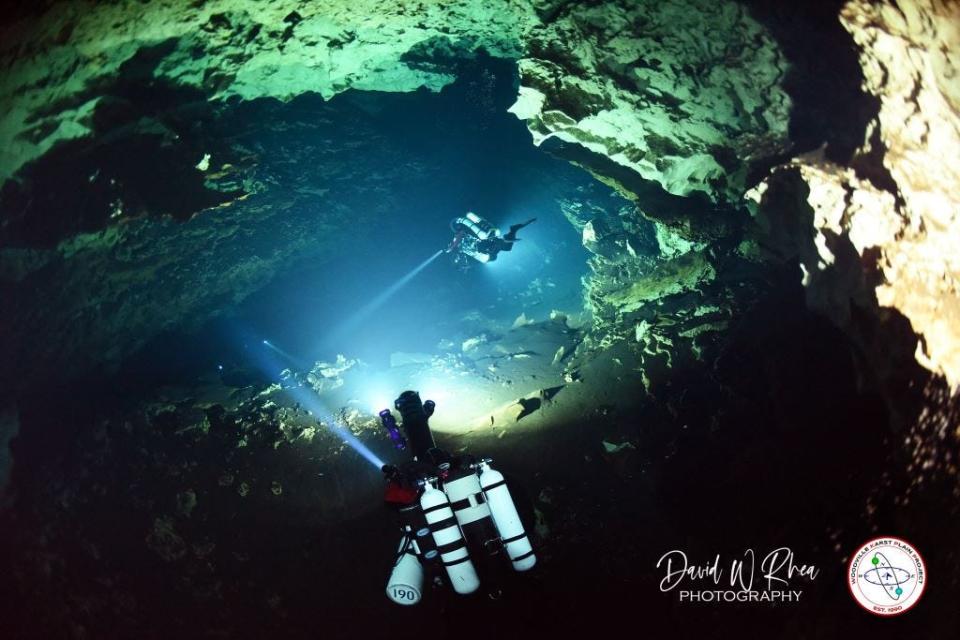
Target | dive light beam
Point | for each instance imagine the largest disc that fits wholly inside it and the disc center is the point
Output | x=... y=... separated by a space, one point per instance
x=381 y=299
x=294 y=361
x=309 y=400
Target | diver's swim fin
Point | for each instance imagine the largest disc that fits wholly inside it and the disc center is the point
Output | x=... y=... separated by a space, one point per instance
x=512 y=234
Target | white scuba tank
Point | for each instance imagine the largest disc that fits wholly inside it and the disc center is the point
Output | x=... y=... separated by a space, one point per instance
x=475 y=229
x=480 y=227
x=405 y=585
x=506 y=519
x=449 y=540
x=466 y=499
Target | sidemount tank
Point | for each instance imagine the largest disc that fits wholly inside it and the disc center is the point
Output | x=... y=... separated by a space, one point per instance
x=478 y=226
x=449 y=540
x=506 y=518
x=470 y=508
x=406 y=580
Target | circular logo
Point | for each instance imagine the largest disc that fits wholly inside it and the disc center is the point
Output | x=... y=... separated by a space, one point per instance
x=886 y=576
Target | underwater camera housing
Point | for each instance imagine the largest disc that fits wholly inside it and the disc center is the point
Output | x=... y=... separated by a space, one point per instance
x=452 y=510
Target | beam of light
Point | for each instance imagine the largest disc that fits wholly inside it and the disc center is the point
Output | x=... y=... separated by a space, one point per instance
x=292 y=360
x=379 y=301
x=458 y=402
x=378 y=399
x=375 y=391
x=308 y=399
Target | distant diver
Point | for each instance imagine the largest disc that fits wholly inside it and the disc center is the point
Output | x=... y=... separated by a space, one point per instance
x=457 y=518
x=476 y=238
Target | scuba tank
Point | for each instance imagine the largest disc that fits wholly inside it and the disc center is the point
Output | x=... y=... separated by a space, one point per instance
x=449 y=509
x=506 y=518
x=405 y=585
x=449 y=540
x=478 y=226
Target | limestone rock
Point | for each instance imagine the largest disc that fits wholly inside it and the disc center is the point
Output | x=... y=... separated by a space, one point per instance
x=667 y=278
x=165 y=541
x=845 y=218
x=659 y=88
x=903 y=218
x=910 y=53
x=472 y=343
x=230 y=48
x=521 y=321
x=326 y=376
x=610 y=447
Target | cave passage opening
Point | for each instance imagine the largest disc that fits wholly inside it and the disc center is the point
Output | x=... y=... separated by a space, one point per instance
x=416 y=160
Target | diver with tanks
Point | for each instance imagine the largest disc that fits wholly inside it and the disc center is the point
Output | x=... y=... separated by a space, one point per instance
x=476 y=238
x=459 y=524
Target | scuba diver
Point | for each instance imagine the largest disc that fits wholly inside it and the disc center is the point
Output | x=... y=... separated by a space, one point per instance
x=453 y=511
x=476 y=238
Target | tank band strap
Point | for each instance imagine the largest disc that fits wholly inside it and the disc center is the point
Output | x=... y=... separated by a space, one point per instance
x=465 y=503
x=452 y=546
x=440 y=525
x=522 y=557
x=514 y=538
x=458 y=561
x=495 y=485
x=406 y=548
x=436 y=507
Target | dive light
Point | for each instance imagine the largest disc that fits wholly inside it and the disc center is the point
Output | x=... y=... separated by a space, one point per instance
x=390 y=424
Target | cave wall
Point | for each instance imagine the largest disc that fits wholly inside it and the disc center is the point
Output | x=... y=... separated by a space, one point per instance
x=58 y=65
x=83 y=304
x=659 y=87
x=882 y=233
x=685 y=94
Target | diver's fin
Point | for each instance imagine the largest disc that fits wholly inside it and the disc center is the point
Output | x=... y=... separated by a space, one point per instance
x=512 y=234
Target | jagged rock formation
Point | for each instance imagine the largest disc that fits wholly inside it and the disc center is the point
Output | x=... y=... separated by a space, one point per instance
x=655 y=87
x=97 y=295
x=59 y=67
x=911 y=61
x=885 y=232
x=658 y=87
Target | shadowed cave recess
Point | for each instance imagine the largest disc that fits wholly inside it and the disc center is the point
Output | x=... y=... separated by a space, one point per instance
x=734 y=324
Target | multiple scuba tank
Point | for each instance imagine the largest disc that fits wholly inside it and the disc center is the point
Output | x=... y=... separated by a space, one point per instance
x=452 y=511
x=478 y=226
x=473 y=231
